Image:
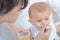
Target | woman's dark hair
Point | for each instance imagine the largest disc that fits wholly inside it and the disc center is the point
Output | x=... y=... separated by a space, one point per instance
x=7 y=5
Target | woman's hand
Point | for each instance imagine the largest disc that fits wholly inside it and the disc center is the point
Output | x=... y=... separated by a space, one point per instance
x=43 y=35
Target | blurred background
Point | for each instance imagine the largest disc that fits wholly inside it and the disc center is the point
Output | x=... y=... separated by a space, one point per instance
x=22 y=20
x=55 y=7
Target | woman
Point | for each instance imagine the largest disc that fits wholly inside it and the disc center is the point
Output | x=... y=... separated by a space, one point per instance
x=9 y=11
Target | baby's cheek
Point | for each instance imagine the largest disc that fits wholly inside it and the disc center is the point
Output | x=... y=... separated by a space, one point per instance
x=48 y=22
x=37 y=24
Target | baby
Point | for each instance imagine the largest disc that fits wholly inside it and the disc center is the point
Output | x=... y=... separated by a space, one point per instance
x=39 y=17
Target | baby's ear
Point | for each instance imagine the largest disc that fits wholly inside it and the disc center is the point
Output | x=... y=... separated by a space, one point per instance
x=30 y=21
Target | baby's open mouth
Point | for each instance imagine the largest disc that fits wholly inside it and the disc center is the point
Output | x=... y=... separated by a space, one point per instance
x=46 y=28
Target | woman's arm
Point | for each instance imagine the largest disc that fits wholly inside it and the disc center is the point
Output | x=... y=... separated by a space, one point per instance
x=13 y=28
x=10 y=26
x=30 y=34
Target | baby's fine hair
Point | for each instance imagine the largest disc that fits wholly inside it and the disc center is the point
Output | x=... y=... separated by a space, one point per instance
x=38 y=7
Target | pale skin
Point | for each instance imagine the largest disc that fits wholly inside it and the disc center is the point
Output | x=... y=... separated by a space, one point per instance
x=11 y=17
x=40 y=20
x=43 y=35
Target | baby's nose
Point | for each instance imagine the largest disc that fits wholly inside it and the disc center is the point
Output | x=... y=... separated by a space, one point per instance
x=43 y=23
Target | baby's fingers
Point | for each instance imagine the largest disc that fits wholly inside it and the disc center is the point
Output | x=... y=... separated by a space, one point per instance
x=48 y=32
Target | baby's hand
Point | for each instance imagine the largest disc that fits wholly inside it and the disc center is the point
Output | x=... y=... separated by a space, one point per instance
x=47 y=28
x=43 y=35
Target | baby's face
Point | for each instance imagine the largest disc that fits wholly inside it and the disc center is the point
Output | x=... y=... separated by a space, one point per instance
x=40 y=19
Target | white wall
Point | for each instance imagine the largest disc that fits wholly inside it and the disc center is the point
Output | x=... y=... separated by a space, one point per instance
x=23 y=17
x=56 y=6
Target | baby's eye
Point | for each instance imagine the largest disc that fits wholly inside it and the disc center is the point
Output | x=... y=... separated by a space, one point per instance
x=39 y=20
x=46 y=19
